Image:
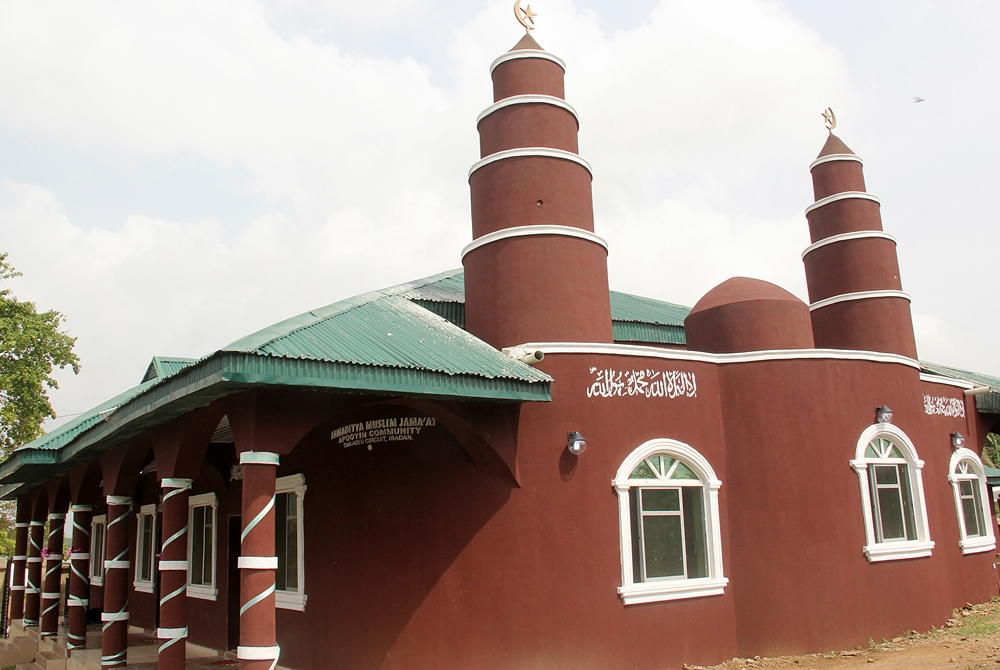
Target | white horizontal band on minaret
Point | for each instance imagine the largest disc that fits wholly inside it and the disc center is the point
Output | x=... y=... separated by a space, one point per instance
x=527 y=53
x=529 y=100
x=860 y=295
x=843 y=237
x=524 y=231
x=540 y=152
x=82 y=508
x=119 y=500
x=56 y=516
x=829 y=158
x=846 y=195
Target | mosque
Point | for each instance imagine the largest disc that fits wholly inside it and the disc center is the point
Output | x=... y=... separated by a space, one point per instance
x=512 y=466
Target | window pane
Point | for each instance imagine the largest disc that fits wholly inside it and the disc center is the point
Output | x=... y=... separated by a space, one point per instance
x=965 y=487
x=661 y=500
x=684 y=472
x=662 y=545
x=694 y=533
x=886 y=474
x=895 y=452
x=971 y=519
x=280 y=536
x=198 y=545
x=904 y=481
x=146 y=573
x=292 y=544
x=208 y=565
x=891 y=514
x=633 y=496
x=642 y=471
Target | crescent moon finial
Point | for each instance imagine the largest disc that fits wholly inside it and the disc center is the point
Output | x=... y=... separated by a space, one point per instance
x=829 y=119
x=525 y=16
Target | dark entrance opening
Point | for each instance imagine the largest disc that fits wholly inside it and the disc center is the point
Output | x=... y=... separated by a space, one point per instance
x=233 y=582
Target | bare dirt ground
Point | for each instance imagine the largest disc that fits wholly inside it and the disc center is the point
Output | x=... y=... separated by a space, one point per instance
x=969 y=641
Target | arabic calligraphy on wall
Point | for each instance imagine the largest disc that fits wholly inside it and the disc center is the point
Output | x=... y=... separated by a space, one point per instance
x=611 y=383
x=945 y=406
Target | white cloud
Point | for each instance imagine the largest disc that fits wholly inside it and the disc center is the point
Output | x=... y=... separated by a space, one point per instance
x=700 y=123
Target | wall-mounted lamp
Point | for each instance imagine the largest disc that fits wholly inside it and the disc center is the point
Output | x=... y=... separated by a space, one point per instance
x=957 y=440
x=576 y=443
x=883 y=414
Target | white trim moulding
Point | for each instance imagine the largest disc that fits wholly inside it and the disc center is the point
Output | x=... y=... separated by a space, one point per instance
x=859 y=295
x=527 y=53
x=835 y=157
x=529 y=100
x=843 y=237
x=948 y=381
x=846 y=195
x=898 y=551
x=524 y=231
x=640 y=351
x=651 y=592
x=535 y=152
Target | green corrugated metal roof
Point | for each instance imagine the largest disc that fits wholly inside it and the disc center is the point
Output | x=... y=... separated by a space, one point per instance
x=992 y=475
x=384 y=331
x=628 y=307
x=380 y=342
x=987 y=403
x=634 y=318
x=164 y=366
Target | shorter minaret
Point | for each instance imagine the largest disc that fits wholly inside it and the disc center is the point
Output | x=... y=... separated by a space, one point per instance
x=852 y=273
x=535 y=271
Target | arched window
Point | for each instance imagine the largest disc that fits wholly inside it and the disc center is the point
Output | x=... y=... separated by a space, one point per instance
x=975 y=522
x=668 y=506
x=892 y=494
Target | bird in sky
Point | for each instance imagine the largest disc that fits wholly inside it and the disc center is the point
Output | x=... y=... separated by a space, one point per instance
x=917 y=98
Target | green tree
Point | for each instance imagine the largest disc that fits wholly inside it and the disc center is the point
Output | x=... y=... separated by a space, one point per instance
x=991 y=450
x=31 y=345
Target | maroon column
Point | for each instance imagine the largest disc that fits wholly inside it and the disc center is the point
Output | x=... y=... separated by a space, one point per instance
x=258 y=639
x=51 y=592
x=114 y=636
x=33 y=579
x=79 y=576
x=20 y=561
x=173 y=574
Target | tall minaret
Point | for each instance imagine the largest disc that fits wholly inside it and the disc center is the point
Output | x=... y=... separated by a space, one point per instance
x=852 y=273
x=535 y=271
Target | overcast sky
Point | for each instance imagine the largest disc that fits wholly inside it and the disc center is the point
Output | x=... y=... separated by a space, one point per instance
x=175 y=175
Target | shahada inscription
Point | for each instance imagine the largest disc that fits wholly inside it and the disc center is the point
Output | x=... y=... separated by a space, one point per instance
x=611 y=383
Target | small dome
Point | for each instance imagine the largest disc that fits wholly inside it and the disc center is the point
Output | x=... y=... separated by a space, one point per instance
x=743 y=314
x=834 y=145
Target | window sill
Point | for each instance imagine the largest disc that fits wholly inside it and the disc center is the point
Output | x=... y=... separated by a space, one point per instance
x=977 y=545
x=651 y=592
x=144 y=587
x=898 y=551
x=202 y=592
x=288 y=600
x=97 y=581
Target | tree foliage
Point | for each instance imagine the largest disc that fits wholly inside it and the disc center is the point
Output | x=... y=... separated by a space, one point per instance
x=31 y=345
x=991 y=450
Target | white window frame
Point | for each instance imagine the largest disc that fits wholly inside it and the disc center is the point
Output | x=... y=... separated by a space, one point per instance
x=97 y=553
x=141 y=585
x=893 y=550
x=203 y=591
x=714 y=584
x=976 y=544
x=294 y=599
